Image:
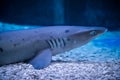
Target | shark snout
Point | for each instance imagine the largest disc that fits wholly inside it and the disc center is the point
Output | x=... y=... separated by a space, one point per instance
x=88 y=32
x=100 y=30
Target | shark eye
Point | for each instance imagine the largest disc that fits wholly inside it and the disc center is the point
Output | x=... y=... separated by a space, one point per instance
x=92 y=33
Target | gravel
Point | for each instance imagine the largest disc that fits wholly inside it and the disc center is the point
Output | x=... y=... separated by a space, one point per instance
x=62 y=71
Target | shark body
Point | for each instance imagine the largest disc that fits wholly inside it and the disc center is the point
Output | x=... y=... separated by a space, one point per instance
x=37 y=46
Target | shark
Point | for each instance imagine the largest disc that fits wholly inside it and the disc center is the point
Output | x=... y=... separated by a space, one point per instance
x=37 y=46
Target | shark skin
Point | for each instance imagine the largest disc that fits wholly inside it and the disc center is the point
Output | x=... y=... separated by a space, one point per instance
x=37 y=46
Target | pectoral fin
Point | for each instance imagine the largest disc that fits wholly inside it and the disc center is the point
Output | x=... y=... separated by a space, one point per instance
x=42 y=60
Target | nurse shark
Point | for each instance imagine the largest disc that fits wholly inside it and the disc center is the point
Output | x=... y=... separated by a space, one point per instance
x=37 y=46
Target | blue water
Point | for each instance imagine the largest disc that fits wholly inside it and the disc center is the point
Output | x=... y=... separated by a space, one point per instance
x=9 y=27
x=109 y=42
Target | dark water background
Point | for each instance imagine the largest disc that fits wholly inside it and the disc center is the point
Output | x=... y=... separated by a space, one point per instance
x=62 y=12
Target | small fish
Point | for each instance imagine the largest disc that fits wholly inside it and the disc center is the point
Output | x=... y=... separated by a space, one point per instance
x=37 y=46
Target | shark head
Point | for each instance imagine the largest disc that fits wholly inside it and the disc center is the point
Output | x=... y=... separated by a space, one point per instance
x=79 y=36
x=73 y=37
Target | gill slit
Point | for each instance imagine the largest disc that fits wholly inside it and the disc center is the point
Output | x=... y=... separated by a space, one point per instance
x=57 y=42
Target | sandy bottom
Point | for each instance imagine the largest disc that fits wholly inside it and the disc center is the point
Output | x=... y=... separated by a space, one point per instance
x=62 y=71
